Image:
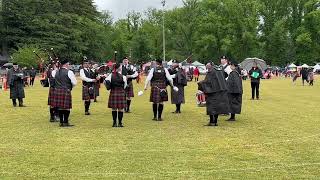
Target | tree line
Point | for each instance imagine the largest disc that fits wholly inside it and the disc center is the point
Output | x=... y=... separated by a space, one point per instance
x=279 y=31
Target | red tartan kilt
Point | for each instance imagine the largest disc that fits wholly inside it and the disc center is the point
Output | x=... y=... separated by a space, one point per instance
x=51 y=96
x=85 y=94
x=61 y=98
x=117 y=99
x=129 y=91
x=155 y=92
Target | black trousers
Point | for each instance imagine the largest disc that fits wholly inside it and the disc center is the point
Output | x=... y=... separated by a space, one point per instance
x=31 y=81
x=255 y=89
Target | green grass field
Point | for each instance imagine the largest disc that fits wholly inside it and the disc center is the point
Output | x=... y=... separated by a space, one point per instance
x=277 y=137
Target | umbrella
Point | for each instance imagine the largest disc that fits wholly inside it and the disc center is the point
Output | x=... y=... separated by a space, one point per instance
x=247 y=64
x=8 y=65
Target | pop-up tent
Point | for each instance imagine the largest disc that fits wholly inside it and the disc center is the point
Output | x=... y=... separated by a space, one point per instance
x=292 y=67
x=316 y=68
x=305 y=66
x=197 y=64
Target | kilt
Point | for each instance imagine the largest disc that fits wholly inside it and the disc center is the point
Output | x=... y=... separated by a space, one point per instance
x=129 y=90
x=86 y=96
x=51 y=96
x=155 y=92
x=61 y=98
x=117 y=98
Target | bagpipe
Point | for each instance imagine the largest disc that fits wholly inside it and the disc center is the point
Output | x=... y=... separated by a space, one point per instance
x=46 y=67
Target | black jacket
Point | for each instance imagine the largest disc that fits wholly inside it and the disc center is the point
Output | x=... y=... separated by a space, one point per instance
x=255 y=80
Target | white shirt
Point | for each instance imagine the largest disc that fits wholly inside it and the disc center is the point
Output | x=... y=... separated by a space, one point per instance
x=84 y=77
x=150 y=76
x=227 y=69
x=71 y=76
x=124 y=79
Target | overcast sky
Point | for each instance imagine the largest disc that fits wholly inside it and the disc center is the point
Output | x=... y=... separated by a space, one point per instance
x=120 y=8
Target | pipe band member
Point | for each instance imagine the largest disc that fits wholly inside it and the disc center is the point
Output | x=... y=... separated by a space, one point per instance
x=159 y=77
x=50 y=75
x=117 y=83
x=16 y=84
x=65 y=80
x=88 y=81
x=131 y=73
x=179 y=80
x=215 y=88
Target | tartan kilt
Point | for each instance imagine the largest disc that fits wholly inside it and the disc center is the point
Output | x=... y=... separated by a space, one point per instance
x=129 y=90
x=86 y=96
x=117 y=98
x=155 y=92
x=61 y=98
x=51 y=96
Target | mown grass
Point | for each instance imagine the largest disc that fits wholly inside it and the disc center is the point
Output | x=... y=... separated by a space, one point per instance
x=274 y=138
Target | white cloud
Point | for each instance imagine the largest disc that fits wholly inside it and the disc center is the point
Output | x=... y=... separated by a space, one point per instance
x=120 y=8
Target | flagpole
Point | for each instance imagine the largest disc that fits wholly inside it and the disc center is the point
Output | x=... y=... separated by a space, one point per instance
x=163 y=30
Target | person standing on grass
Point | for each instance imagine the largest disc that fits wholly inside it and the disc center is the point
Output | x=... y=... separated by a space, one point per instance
x=54 y=67
x=196 y=74
x=255 y=75
x=117 y=83
x=225 y=65
x=311 y=77
x=215 y=88
x=131 y=73
x=235 y=91
x=179 y=80
x=33 y=74
x=304 y=75
x=88 y=81
x=16 y=84
x=65 y=80
x=158 y=76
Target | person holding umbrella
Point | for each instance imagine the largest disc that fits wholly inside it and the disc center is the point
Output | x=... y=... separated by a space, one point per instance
x=255 y=75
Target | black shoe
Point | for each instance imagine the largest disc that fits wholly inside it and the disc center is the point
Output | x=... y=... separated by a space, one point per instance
x=231 y=119
x=175 y=112
x=127 y=111
x=120 y=125
x=160 y=119
x=21 y=105
x=87 y=113
x=114 y=125
x=14 y=105
x=210 y=124
x=52 y=119
x=155 y=119
x=61 y=125
x=258 y=98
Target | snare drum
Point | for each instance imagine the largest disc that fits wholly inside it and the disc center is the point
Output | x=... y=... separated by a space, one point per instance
x=201 y=99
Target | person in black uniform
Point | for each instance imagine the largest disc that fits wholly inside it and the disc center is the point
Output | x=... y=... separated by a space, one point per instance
x=88 y=81
x=304 y=75
x=117 y=83
x=131 y=73
x=65 y=80
x=159 y=76
x=33 y=74
x=179 y=80
x=215 y=88
x=16 y=84
x=255 y=75
x=235 y=91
